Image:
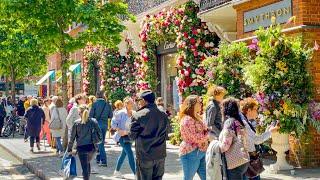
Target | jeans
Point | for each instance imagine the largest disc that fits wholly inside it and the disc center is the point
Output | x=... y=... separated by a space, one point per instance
x=126 y=150
x=147 y=170
x=255 y=178
x=32 y=138
x=238 y=172
x=102 y=156
x=85 y=158
x=59 y=145
x=192 y=163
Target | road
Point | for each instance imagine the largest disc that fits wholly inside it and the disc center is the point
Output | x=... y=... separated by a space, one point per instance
x=11 y=168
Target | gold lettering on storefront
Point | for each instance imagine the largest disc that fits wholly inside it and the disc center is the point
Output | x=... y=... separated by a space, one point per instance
x=267 y=15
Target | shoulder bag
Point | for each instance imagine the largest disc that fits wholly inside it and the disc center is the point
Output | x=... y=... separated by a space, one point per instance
x=56 y=123
x=255 y=167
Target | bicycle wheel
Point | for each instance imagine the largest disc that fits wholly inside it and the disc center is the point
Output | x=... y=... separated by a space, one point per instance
x=8 y=130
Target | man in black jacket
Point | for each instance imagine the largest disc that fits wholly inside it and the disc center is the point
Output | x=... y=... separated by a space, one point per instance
x=148 y=129
x=2 y=117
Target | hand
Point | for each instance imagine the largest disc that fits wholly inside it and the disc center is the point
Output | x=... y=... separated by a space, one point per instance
x=123 y=132
x=272 y=128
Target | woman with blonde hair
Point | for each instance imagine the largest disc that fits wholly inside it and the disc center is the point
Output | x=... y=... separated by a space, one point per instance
x=194 y=136
x=213 y=115
x=83 y=131
x=58 y=117
x=92 y=99
x=35 y=118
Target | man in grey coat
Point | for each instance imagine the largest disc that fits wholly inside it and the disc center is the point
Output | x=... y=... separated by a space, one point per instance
x=102 y=111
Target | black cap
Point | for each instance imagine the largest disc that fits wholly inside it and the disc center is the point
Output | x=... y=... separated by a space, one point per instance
x=148 y=96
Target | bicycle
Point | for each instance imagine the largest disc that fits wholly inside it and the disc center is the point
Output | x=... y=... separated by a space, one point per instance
x=11 y=126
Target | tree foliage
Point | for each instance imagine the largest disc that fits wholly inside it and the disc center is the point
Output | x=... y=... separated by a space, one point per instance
x=20 y=52
x=100 y=23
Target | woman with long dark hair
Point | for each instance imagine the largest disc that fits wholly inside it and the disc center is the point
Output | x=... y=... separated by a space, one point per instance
x=233 y=140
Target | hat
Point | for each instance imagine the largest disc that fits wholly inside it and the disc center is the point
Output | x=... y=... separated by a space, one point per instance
x=147 y=95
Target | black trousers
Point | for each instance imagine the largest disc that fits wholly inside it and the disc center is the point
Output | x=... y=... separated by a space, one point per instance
x=150 y=170
x=85 y=158
x=32 y=138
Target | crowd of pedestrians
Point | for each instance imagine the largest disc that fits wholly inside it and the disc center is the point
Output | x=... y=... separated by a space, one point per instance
x=219 y=141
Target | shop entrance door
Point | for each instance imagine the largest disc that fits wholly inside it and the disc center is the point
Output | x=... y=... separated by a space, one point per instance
x=168 y=76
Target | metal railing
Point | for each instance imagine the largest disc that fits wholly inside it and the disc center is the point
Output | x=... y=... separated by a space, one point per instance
x=209 y=4
x=140 y=6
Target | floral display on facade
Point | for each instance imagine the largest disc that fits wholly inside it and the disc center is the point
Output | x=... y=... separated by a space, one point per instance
x=226 y=69
x=92 y=62
x=194 y=43
x=280 y=76
x=130 y=66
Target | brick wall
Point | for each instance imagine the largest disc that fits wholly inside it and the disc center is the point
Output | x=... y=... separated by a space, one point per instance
x=305 y=152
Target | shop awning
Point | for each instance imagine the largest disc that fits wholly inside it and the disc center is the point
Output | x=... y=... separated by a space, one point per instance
x=45 y=77
x=75 y=68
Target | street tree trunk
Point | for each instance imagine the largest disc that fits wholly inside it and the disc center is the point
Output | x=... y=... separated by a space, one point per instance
x=13 y=83
x=6 y=86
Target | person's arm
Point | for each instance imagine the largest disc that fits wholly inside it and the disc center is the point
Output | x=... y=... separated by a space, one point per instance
x=110 y=112
x=43 y=117
x=115 y=120
x=96 y=127
x=72 y=138
x=70 y=117
x=136 y=129
x=190 y=133
x=256 y=138
x=211 y=115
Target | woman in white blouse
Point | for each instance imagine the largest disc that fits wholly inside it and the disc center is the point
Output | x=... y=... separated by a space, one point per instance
x=249 y=109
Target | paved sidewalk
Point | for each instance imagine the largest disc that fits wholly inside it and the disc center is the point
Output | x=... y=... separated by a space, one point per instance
x=46 y=165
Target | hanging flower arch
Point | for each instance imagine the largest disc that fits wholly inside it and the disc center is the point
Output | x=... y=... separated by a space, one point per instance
x=194 y=42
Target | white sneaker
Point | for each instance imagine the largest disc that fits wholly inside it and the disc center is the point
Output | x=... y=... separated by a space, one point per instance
x=117 y=174
x=94 y=171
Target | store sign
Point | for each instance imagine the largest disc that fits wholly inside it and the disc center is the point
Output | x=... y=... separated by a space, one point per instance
x=167 y=47
x=19 y=86
x=253 y=19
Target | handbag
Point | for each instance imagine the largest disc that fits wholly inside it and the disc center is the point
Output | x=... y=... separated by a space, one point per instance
x=237 y=154
x=56 y=123
x=69 y=166
x=255 y=167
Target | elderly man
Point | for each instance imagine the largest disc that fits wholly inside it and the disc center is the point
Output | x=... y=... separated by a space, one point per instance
x=149 y=129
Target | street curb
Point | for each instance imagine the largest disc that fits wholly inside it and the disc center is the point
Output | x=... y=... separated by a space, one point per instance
x=38 y=172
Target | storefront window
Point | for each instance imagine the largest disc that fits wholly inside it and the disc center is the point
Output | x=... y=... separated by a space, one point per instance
x=168 y=76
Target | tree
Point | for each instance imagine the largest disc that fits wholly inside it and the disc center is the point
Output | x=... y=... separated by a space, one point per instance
x=50 y=20
x=20 y=52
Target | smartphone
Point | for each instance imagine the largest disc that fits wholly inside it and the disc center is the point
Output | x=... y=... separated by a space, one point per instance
x=274 y=123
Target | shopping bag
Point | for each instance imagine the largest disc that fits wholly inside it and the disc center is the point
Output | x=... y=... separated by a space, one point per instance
x=69 y=166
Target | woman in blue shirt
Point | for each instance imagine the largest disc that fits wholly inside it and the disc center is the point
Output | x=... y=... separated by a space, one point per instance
x=121 y=122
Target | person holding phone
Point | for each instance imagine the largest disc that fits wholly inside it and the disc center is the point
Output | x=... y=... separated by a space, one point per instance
x=249 y=114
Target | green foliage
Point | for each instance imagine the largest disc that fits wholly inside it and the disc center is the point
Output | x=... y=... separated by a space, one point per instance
x=21 y=54
x=175 y=138
x=50 y=21
x=279 y=73
x=226 y=69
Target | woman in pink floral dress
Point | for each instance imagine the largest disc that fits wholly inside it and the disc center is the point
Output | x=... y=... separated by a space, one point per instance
x=194 y=135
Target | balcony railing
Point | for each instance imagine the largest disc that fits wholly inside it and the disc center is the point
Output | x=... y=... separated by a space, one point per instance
x=140 y=6
x=209 y=4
